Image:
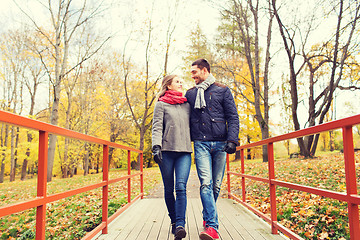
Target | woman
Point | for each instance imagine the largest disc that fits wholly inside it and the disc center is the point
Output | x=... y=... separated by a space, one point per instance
x=172 y=149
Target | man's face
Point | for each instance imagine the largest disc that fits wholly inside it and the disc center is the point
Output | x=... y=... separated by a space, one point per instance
x=199 y=75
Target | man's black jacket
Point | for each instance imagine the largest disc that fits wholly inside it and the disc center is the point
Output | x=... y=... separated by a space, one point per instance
x=219 y=120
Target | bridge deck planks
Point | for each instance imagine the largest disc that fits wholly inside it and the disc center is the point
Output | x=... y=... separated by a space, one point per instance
x=148 y=219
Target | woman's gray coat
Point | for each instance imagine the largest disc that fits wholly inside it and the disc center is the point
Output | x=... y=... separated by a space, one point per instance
x=171 y=127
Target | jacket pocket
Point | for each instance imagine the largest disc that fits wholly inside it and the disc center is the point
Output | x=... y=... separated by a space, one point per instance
x=166 y=134
x=218 y=127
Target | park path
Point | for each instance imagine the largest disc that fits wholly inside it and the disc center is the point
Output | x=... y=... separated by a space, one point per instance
x=193 y=187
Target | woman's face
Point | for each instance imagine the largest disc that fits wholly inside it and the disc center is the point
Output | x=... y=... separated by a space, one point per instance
x=176 y=84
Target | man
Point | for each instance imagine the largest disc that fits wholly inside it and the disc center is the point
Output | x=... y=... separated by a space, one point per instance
x=214 y=128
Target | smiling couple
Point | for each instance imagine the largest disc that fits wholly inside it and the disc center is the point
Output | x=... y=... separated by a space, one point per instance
x=206 y=115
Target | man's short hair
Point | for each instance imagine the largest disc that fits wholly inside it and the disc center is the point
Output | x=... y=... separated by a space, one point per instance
x=202 y=63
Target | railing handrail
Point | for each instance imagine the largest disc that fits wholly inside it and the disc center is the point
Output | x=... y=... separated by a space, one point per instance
x=17 y=120
x=351 y=196
x=42 y=198
x=336 y=124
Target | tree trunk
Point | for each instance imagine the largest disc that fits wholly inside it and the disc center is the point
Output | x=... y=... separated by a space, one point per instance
x=287 y=147
x=265 y=135
x=293 y=81
x=141 y=147
x=113 y=137
x=54 y=118
x=16 y=150
x=12 y=155
x=4 y=143
x=25 y=162
x=248 y=150
x=65 y=164
x=252 y=55
x=331 y=141
x=86 y=160
x=314 y=145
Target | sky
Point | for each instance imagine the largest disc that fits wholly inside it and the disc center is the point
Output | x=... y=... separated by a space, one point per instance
x=124 y=18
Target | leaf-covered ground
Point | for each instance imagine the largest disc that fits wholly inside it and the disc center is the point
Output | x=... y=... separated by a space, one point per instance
x=309 y=215
x=69 y=218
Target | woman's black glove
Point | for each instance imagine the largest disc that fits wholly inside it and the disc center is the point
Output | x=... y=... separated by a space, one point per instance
x=157 y=154
x=230 y=148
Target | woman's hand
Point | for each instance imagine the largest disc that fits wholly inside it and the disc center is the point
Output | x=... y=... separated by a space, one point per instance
x=157 y=154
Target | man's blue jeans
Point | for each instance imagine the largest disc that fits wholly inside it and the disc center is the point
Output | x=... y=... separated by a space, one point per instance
x=175 y=165
x=210 y=162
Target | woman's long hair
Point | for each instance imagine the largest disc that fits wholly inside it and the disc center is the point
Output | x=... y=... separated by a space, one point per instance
x=165 y=83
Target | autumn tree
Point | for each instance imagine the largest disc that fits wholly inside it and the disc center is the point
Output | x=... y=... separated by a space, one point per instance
x=33 y=78
x=285 y=112
x=150 y=75
x=68 y=21
x=240 y=35
x=14 y=55
x=198 y=47
x=69 y=84
x=112 y=72
x=332 y=56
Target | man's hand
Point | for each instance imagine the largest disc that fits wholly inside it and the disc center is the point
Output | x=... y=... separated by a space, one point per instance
x=230 y=148
x=157 y=154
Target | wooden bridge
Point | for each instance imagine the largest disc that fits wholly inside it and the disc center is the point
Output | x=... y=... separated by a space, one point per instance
x=148 y=219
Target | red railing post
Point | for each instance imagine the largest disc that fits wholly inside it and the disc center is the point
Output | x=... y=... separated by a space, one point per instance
x=129 y=179
x=228 y=175
x=243 y=178
x=272 y=187
x=41 y=185
x=351 y=188
x=105 y=189
x=142 y=175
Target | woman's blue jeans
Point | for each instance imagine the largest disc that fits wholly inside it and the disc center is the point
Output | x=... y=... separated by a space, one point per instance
x=210 y=162
x=175 y=170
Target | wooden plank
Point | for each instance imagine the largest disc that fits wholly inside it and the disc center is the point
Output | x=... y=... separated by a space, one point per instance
x=193 y=218
x=138 y=219
x=145 y=223
x=230 y=224
x=198 y=215
x=158 y=220
x=165 y=230
x=116 y=226
x=148 y=219
x=224 y=233
x=245 y=225
x=266 y=233
x=251 y=223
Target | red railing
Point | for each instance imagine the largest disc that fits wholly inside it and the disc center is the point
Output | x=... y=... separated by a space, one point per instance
x=351 y=196
x=42 y=198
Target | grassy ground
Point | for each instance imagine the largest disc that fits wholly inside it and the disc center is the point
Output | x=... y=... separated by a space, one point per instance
x=69 y=218
x=309 y=215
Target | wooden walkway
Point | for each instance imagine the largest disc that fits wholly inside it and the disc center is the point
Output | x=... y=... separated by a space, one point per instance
x=148 y=219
